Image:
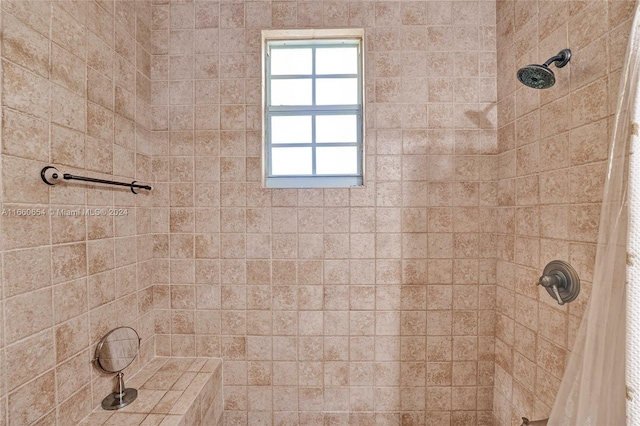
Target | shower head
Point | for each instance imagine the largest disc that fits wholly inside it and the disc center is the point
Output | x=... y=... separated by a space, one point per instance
x=541 y=76
x=536 y=76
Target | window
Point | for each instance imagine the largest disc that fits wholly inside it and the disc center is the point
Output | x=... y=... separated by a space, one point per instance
x=313 y=108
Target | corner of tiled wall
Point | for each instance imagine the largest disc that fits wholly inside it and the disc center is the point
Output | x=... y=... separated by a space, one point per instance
x=553 y=146
x=76 y=94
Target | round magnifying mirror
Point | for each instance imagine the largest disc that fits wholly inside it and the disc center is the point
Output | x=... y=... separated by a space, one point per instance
x=115 y=352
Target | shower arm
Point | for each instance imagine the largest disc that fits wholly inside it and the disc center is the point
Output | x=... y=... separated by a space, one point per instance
x=554 y=59
x=561 y=59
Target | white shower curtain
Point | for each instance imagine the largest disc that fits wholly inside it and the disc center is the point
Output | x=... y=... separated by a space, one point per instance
x=593 y=390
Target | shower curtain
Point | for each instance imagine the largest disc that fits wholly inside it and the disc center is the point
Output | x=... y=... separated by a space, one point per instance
x=593 y=390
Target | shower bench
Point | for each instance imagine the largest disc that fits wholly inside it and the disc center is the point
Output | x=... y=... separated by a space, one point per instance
x=172 y=391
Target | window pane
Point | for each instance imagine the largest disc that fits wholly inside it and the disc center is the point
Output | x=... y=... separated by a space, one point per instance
x=290 y=61
x=337 y=60
x=291 y=92
x=337 y=91
x=336 y=128
x=337 y=160
x=291 y=161
x=291 y=129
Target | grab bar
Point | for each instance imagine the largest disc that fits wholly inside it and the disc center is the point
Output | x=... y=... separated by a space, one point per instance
x=527 y=422
x=51 y=176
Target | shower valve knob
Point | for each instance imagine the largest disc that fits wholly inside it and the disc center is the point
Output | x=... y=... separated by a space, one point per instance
x=553 y=282
x=561 y=281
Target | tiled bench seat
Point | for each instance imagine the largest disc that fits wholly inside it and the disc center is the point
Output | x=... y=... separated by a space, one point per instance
x=171 y=392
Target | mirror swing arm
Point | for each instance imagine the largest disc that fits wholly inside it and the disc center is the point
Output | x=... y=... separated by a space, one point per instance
x=105 y=362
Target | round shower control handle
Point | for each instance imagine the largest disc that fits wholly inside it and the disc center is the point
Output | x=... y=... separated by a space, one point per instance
x=561 y=281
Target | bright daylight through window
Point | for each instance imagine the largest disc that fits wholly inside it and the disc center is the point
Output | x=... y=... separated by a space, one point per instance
x=313 y=108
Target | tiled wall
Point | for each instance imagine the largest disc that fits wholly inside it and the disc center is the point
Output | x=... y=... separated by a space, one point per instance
x=369 y=305
x=338 y=295
x=552 y=150
x=76 y=93
x=373 y=304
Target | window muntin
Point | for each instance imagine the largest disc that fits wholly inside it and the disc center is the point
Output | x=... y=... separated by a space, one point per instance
x=313 y=113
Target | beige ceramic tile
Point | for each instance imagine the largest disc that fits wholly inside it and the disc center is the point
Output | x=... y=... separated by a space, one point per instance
x=30 y=402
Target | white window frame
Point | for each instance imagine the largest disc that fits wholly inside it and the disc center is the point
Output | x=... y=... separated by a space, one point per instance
x=312 y=38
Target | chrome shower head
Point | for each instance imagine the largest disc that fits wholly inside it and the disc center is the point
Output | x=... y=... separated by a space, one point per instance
x=540 y=76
